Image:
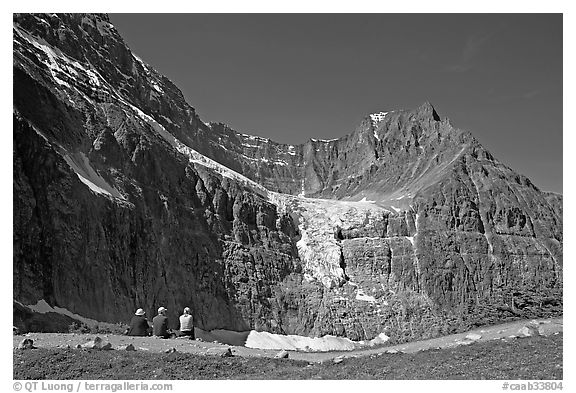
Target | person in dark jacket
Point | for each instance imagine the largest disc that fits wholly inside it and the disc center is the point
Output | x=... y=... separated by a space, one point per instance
x=160 y=324
x=139 y=324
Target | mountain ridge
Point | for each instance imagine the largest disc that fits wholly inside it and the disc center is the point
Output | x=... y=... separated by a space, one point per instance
x=124 y=197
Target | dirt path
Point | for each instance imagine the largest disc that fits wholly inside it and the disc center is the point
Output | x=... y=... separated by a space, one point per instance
x=503 y=331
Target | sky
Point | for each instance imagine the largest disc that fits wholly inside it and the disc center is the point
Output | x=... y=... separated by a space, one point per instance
x=290 y=77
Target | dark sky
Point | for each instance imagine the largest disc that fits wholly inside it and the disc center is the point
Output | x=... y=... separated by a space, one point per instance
x=290 y=77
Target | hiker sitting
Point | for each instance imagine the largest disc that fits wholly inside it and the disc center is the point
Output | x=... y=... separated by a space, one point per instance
x=186 y=324
x=160 y=324
x=139 y=325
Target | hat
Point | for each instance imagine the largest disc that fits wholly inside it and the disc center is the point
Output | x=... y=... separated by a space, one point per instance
x=187 y=310
x=161 y=310
x=140 y=312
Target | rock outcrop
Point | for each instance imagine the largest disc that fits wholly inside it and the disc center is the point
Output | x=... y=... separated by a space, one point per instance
x=125 y=198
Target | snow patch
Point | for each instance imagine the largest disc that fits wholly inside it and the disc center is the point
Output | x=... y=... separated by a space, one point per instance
x=93 y=77
x=196 y=157
x=92 y=186
x=265 y=340
x=59 y=63
x=167 y=119
x=250 y=146
x=43 y=307
x=376 y=119
x=156 y=87
x=255 y=138
x=360 y=295
x=302 y=191
x=51 y=56
x=80 y=164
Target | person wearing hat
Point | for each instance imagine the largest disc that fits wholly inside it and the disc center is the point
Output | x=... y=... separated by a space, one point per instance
x=160 y=324
x=139 y=324
x=186 y=324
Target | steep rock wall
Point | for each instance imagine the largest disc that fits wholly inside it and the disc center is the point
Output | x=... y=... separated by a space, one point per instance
x=124 y=198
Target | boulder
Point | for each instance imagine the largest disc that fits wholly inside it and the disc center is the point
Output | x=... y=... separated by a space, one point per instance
x=529 y=330
x=219 y=351
x=97 y=343
x=473 y=336
x=128 y=347
x=338 y=359
x=27 y=343
x=106 y=346
x=281 y=355
x=380 y=339
x=170 y=350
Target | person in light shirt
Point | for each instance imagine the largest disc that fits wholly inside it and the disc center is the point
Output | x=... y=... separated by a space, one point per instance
x=187 y=324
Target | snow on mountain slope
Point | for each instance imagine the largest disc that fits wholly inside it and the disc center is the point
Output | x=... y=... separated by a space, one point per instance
x=376 y=119
x=198 y=158
x=87 y=175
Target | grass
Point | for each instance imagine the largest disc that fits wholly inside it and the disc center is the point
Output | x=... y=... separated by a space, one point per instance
x=532 y=358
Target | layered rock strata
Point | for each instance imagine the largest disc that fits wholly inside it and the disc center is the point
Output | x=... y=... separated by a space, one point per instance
x=125 y=198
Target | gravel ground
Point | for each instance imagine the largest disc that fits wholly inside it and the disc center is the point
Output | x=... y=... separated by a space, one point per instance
x=546 y=327
x=529 y=358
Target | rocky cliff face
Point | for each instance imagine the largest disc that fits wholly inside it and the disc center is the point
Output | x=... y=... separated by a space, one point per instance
x=125 y=198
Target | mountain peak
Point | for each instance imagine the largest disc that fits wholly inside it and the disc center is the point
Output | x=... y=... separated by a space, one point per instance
x=427 y=110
